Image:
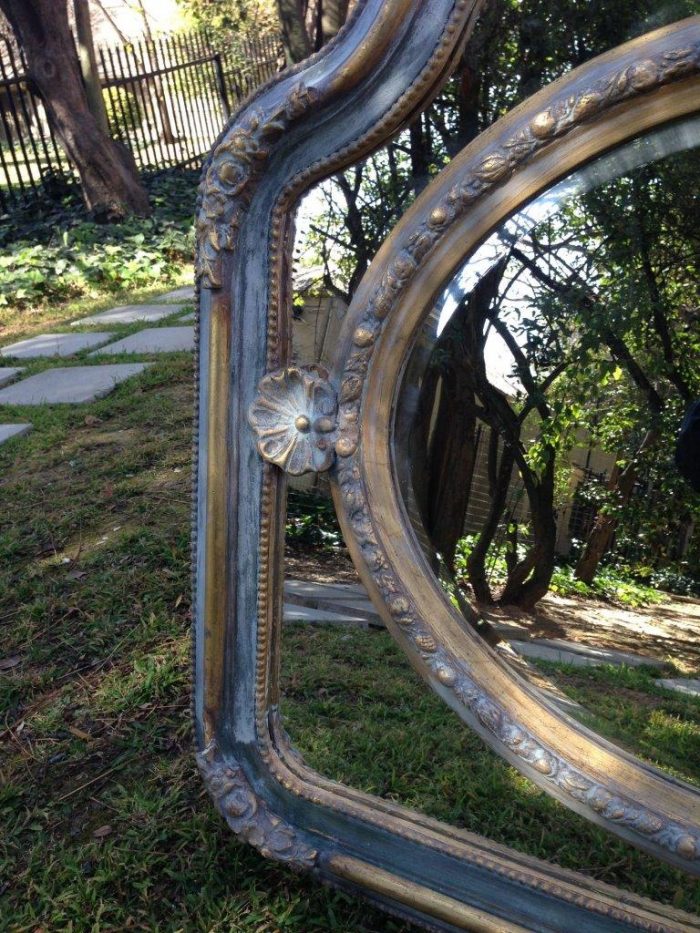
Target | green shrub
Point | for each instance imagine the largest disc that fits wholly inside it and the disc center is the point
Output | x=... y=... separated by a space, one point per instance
x=311 y=521
x=56 y=252
x=610 y=583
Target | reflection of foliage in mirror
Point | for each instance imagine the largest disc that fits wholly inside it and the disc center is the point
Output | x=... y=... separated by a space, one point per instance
x=596 y=313
x=634 y=301
x=517 y=48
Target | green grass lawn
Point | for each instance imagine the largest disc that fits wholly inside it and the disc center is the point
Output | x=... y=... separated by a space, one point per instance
x=57 y=263
x=106 y=825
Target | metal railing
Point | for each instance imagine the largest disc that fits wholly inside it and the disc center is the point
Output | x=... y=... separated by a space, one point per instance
x=166 y=100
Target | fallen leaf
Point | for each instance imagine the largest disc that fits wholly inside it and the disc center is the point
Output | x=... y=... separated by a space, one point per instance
x=79 y=734
x=7 y=663
x=102 y=831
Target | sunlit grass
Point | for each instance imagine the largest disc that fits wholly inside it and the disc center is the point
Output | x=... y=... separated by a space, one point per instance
x=106 y=825
x=359 y=714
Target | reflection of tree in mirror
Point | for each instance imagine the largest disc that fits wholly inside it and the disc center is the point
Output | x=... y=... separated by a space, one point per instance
x=517 y=48
x=578 y=348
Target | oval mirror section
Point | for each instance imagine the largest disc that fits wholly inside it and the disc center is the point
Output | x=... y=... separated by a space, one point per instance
x=547 y=445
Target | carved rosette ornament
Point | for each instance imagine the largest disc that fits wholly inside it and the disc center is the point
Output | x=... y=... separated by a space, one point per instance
x=294 y=419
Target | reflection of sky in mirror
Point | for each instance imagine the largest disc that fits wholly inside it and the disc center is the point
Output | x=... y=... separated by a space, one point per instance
x=657 y=145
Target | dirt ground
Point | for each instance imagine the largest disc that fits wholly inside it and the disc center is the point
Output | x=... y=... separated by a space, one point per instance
x=669 y=631
x=320 y=566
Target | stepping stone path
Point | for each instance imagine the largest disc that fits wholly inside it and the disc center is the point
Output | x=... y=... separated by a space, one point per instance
x=570 y=652
x=54 y=345
x=152 y=340
x=690 y=686
x=326 y=603
x=8 y=373
x=75 y=384
x=13 y=430
x=79 y=384
x=186 y=293
x=131 y=314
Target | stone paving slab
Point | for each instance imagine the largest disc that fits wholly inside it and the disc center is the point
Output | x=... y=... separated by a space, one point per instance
x=357 y=609
x=8 y=373
x=66 y=385
x=569 y=652
x=321 y=616
x=54 y=345
x=335 y=602
x=152 y=340
x=690 y=686
x=13 y=430
x=185 y=293
x=131 y=314
x=327 y=590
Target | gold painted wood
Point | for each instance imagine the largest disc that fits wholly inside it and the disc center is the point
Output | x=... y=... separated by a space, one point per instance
x=415 y=895
x=259 y=783
x=219 y=352
x=637 y=87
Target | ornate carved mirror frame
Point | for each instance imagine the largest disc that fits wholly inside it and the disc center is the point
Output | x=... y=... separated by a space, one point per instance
x=255 y=417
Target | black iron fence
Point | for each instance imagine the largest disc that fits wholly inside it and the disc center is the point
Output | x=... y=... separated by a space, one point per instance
x=166 y=99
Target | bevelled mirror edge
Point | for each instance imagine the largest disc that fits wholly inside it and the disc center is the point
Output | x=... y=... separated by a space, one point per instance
x=574 y=120
x=258 y=795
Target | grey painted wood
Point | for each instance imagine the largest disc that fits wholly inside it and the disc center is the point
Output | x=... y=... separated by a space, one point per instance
x=322 y=132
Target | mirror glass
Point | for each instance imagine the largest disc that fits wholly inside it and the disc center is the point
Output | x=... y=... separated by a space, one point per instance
x=350 y=700
x=547 y=441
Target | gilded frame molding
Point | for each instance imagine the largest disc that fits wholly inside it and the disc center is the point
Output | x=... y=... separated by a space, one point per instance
x=608 y=102
x=307 y=123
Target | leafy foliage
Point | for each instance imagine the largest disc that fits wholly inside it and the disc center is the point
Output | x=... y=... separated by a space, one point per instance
x=233 y=20
x=55 y=252
x=311 y=522
x=610 y=584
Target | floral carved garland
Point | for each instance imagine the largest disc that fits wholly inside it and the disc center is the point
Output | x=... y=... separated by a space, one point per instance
x=247 y=814
x=561 y=117
x=231 y=176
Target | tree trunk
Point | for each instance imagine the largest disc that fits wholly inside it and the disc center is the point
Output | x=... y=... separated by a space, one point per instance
x=88 y=63
x=333 y=16
x=154 y=86
x=530 y=579
x=458 y=355
x=294 y=37
x=476 y=562
x=110 y=185
x=419 y=442
x=420 y=155
x=621 y=486
x=451 y=464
